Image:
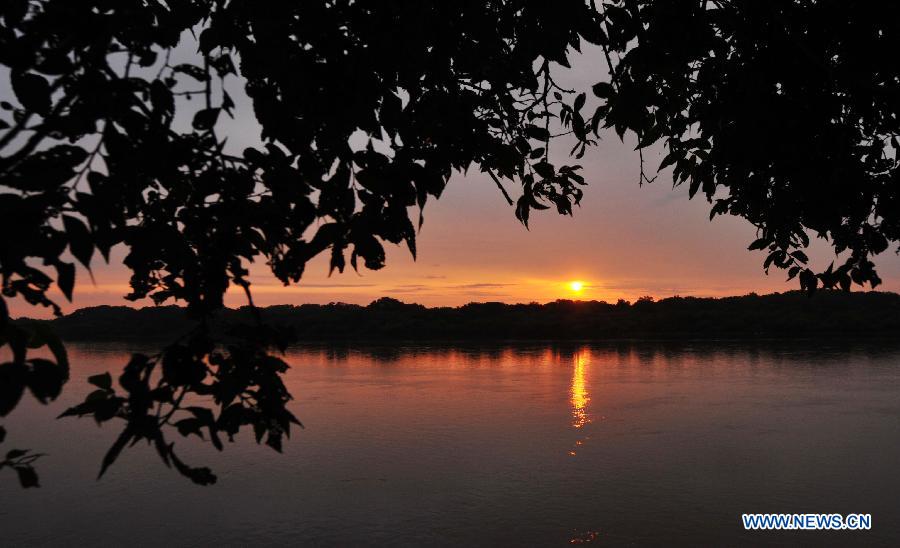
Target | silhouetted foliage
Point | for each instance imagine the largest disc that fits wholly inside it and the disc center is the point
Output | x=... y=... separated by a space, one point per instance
x=783 y=113
x=115 y=130
x=20 y=460
x=241 y=379
x=112 y=138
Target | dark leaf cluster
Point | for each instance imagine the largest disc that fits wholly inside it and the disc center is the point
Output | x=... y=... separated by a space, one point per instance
x=784 y=113
x=44 y=378
x=193 y=388
x=21 y=461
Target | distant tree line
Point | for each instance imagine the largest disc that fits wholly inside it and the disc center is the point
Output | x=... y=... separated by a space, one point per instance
x=784 y=315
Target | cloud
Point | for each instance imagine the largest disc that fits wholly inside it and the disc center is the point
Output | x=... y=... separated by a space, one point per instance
x=478 y=286
x=330 y=286
x=409 y=288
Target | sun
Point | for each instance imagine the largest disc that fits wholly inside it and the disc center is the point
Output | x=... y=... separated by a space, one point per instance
x=576 y=286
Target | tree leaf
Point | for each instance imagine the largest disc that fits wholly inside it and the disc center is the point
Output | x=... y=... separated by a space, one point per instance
x=65 y=278
x=603 y=90
x=45 y=379
x=102 y=381
x=27 y=476
x=200 y=476
x=161 y=98
x=537 y=132
x=115 y=450
x=544 y=169
x=579 y=101
x=80 y=241
x=205 y=119
x=12 y=384
x=32 y=91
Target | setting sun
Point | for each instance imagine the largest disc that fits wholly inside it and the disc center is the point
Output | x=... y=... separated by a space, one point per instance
x=576 y=286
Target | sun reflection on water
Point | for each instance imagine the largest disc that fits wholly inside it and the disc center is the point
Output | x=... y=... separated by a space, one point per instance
x=579 y=395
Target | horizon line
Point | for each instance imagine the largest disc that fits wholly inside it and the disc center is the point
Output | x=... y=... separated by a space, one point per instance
x=530 y=303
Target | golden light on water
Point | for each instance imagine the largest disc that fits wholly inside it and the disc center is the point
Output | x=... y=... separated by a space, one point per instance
x=580 y=397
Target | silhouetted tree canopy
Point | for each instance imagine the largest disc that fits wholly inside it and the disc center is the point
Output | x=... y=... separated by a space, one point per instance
x=785 y=113
x=116 y=126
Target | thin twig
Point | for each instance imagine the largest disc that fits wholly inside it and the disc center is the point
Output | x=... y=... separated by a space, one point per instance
x=500 y=186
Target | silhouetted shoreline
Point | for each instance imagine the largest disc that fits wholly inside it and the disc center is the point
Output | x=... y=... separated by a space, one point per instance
x=776 y=316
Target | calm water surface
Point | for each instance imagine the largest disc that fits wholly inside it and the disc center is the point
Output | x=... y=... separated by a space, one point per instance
x=527 y=445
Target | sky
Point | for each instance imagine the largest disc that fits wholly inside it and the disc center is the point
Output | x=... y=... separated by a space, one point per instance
x=625 y=241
